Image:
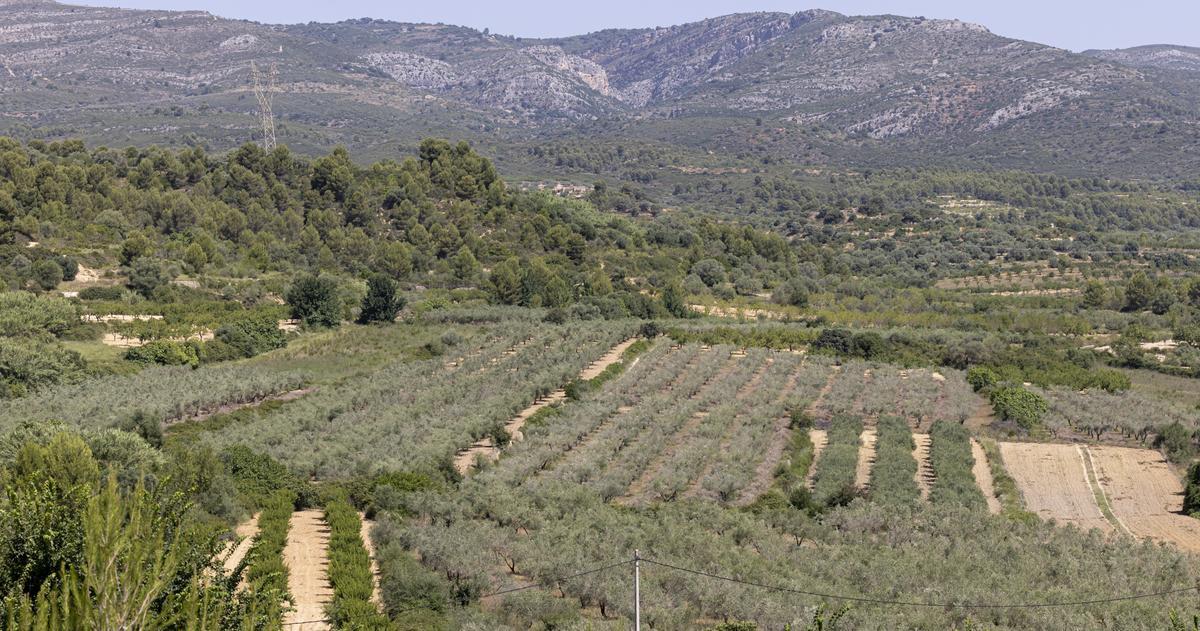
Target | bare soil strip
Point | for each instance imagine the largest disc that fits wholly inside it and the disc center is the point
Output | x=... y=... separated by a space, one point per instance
x=819 y=438
x=236 y=551
x=983 y=477
x=465 y=460
x=1093 y=481
x=924 y=475
x=307 y=558
x=1054 y=483
x=866 y=459
x=1145 y=494
x=365 y=533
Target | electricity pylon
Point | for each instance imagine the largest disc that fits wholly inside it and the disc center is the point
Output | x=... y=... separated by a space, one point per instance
x=264 y=91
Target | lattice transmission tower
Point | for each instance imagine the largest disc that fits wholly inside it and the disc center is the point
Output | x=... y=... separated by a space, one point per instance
x=265 y=88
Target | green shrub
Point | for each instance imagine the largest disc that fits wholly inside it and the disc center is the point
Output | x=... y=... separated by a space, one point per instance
x=1191 y=492
x=350 y=571
x=265 y=572
x=1014 y=403
x=252 y=335
x=29 y=364
x=165 y=352
x=893 y=478
x=102 y=293
x=381 y=302
x=833 y=483
x=23 y=313
x=953 y=467
x=314 y=300
x=982 y=377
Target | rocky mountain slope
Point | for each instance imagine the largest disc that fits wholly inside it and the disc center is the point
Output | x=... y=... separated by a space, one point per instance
x=1161 y=56
x=831 y=88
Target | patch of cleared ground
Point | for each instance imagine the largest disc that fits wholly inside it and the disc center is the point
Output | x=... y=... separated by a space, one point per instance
x=983 y=477
x=1053 y=481
x=307 y=558
x=1145 y=495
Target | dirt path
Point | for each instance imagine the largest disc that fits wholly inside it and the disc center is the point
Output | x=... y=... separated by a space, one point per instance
x=866 y=459
x=465 y=460
x=924 y=475
x=306 y=556
x=983 y=477
x=369 y=544
x=1053 y=481
x=819 y=438
x=1145 y=495
x=236 y=551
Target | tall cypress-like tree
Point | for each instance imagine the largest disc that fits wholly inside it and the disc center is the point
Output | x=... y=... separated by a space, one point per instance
x=381 y=302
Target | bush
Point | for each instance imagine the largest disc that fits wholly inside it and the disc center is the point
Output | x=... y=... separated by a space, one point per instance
x=147 y=275
x=47 y=274
x=26 y=314
x=893 y=478
x=252 y=335
x=350 y=571
x=314 y=300
x=953 y=466
x=981 y=377
x=1191 y=493
x=833 y=484
x=102 y=293
x=1014 y=403
x=165 y=352
x=27 y=364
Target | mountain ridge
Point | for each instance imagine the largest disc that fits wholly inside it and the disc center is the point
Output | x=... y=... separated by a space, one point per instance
x=844 y=89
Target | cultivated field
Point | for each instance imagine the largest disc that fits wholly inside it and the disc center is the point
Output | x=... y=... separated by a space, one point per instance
x=1146 y=496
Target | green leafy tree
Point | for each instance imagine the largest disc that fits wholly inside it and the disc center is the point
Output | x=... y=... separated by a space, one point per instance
x=47 y=274
x=146 y=275
x=314 y=300
x=135 y=247
x=505 y=282
x=381 y=302
x=1139 y=291
x=465 y=266
x=195 y=258
x=1094 y=295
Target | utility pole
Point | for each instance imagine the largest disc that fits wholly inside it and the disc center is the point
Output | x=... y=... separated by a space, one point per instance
x=637 y=591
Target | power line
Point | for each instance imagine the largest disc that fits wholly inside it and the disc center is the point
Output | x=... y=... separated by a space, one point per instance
x=910 y=603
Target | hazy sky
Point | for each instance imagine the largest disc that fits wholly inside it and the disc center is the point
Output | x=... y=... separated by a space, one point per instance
x=1072 y=24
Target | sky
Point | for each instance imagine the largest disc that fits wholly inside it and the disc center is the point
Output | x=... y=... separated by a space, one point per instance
x=1071 y=24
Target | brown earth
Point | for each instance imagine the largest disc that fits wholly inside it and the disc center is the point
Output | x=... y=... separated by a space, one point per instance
x=1053 y=481
x=236 y=551
x=369 y=544
x=819 y=438
x=1145 y=495
x=307 y=558
x=866 y=458
x=983 y=477
x=924 y=474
